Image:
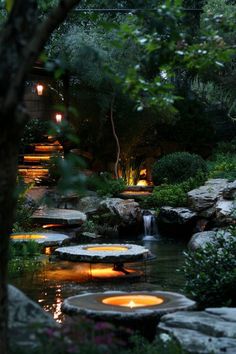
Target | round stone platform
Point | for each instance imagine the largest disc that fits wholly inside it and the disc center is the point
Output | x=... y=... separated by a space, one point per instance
x=110 y=253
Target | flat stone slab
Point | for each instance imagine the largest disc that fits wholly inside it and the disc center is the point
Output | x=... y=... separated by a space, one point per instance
x=205 y=196
x=59 y=216
x=110 y=253
x=210 y=331
x=46 y=239
x=92 y=305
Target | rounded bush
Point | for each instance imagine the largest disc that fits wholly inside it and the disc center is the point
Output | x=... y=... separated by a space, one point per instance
x=178 y=167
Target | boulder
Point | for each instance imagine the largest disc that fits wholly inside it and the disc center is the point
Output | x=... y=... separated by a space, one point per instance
x=25 y=316
x=88 y=237
x=126 y=214
x=201 y=239
x=225 y=211
x=229 y=191
x=176 y=221
x=89 y=205
x=180 y=216
x=209 y=331
x=205 y=196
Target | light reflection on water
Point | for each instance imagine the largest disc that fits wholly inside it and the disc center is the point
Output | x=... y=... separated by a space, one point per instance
x=59 y=280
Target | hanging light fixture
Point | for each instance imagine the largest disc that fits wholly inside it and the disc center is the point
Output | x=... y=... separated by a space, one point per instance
x=58 y=118
x=39 y=89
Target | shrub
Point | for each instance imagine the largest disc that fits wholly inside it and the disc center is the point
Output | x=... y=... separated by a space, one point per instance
x=177 y=167
x=226 y=147
x=223 y=166
x=172 y=194
x=23 y=257
x=210 y=273
x=25 y=208
x=110 y=187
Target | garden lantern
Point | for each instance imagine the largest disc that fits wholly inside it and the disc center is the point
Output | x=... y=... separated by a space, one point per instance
x=39 y=89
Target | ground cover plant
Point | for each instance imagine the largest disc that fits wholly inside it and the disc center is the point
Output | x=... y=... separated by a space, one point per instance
x=174 y=195
x=84 y=336
x=210 y=272
x=24 y=257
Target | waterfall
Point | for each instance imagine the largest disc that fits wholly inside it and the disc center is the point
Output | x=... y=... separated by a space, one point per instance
x=150 y=227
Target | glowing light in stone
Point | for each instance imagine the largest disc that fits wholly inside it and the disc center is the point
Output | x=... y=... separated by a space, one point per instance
x=27 y=236
x=107 y=248
x=133 y=301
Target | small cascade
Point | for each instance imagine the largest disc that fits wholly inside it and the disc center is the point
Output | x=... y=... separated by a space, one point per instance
x=150 y=227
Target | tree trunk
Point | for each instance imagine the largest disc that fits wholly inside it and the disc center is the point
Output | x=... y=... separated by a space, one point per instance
x=22 y=38
x=116 y=139
x=8 y=170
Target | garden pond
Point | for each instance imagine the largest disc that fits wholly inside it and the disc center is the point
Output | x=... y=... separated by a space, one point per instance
x=57 y=279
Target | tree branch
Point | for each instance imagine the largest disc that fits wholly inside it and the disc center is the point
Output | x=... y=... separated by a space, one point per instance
x=36 y=44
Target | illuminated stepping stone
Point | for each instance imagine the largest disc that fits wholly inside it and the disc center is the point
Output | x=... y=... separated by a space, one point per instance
x=59 y=216
x=45 y=239
x=103 y=253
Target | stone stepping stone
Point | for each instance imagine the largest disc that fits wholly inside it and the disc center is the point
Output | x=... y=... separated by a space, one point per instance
x=58 y=216
x=46 y=239
x=109 y=253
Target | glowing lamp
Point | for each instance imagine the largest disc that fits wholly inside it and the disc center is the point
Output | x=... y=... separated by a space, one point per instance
x=58 y=117
x=106 y=248
x=27 y=236
x=133 y=301
x=39 y=89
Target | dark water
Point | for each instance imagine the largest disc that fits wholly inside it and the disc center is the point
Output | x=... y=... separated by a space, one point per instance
x=58 y=280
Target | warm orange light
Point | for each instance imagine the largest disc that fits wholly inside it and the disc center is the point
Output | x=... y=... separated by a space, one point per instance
x=136 y=192
x=48 y=251
x=142 y=182
x=109 y=272
x=39 y=89
x=47 y=226
x=36 y=158
x=33 y=172
x=107 y=248
x=58 y=117
x=133 y=301
x=48 y=148
x=27 y=236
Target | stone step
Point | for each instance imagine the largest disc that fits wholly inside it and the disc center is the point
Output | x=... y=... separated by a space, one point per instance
x=58 y=216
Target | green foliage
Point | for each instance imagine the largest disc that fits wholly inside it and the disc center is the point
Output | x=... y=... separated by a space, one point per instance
x=177 y=167
x=34 y=131
x=174 y=195
x=226 y=147
x=163 y=344
x=89 y=226
x=24 y=209
x=210 y=273
x=223 y=166
x=24 y=249
x=88 y=337
x=23 y=257
x=110 y=187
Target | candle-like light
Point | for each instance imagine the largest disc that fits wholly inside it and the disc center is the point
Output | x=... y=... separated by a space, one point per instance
x=133 y=301
x=39 y=89
x=58 y=117
x=131 y=304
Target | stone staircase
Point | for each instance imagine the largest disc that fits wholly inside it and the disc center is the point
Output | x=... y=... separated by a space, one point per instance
x=34 y=163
